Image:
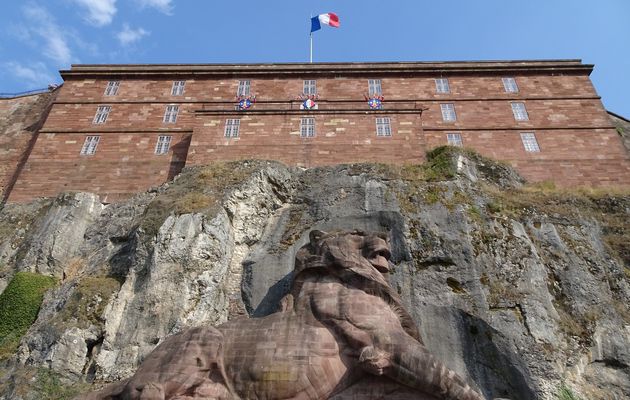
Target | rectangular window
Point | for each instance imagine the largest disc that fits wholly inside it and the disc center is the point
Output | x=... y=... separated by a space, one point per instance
x=178 y=88
x=310 y=87
x=374 y=87
x=441 y=85
x=232 y=128
x=170 y=114
x=519 y=111
x=448 y=112
x=454 y=139
x=112 y=88
x=509 y=84
x=383 y=126
x=307 y=127
x=102 y=112
x=89 y=146
x=243 y=88
x=529 y=142
x=162 y=145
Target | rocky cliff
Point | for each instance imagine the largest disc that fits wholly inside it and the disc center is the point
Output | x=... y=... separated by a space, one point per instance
x=524 y=290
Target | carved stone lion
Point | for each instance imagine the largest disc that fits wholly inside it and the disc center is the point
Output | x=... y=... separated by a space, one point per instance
x=342 y=334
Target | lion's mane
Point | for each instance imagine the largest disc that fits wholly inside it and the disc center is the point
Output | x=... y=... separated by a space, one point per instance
x=327 y=254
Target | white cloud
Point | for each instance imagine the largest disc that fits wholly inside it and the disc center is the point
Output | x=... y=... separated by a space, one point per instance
x=164 y=6
x=35 y=74
x=129 y=36
x=43 y=25
x=99 y=12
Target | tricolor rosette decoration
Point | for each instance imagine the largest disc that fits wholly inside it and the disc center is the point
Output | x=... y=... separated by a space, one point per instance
x=375 y=101
x=309 y=101
x=245 y=102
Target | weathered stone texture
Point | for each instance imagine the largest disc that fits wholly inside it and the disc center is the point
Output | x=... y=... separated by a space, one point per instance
x=578 y=143
x=123 y=164
x=515 y=291
x=623 y=129
x=20 y=119
x=341 y=326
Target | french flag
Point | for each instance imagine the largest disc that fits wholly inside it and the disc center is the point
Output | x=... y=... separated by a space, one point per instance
x=330 y=19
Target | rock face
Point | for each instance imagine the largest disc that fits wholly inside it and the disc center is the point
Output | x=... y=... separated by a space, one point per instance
x=341 y=327
x=523 y=292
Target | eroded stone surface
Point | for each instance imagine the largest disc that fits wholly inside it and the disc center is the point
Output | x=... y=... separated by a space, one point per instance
x=341 y=325
x=515 y=298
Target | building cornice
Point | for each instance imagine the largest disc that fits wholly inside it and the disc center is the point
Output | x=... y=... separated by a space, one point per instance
x=108 y=101
x=352 y=68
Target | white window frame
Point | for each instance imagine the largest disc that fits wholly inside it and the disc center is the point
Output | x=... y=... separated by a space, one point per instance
x=448 y=112
x=509 y=84
x=530 y=143
x=170 y=114
x=307 y=127
x=383 y=126
x=163 y=144
x=232 y=128
x=89 y=145
x=244 y=88
x=442 y=85
x=178 y=88
x=454 y=139
x=520 y=111
x=375 y=87
x=310 y=87
x=102 y=113
x=112 y=88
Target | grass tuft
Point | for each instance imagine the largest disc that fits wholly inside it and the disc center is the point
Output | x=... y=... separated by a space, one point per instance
x=88 y=300
x=19 y=306
x=565 y=393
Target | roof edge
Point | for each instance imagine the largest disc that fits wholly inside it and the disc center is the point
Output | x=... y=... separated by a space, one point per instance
x=618 y=116
x=345 y=67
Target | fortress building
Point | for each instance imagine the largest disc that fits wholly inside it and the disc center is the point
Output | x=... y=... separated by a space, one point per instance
x=120 y=129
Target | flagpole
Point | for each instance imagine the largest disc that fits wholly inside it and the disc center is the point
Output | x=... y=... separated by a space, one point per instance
x=311 y=21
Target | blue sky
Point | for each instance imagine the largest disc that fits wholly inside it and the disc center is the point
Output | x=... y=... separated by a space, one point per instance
x=39 y=37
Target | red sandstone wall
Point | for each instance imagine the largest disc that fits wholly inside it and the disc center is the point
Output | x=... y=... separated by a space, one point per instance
x=394 y=88
x=567 y=157
x=578 y=146
x=122 y=165
x=123 y=117
x=339 y=139
x=20 y=118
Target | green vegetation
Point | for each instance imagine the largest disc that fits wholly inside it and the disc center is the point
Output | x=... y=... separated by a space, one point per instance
x=88 y=300
x=196 y=190
x=607 y=206
x=440 y=165
x=28 y=382
x=565 y=393
x=425 y=181
x=19 y=306
x=49 y=386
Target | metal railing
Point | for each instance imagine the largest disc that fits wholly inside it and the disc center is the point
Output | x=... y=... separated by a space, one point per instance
x=50 y=88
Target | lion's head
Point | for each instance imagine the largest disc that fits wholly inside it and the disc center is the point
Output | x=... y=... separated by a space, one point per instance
x=359 y=259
